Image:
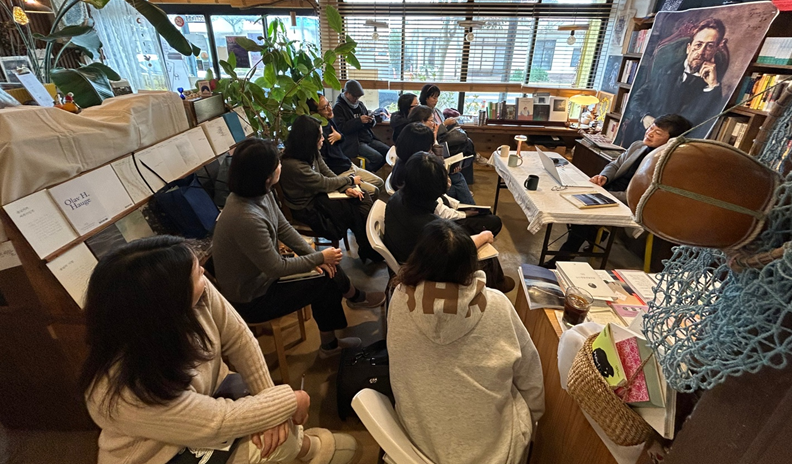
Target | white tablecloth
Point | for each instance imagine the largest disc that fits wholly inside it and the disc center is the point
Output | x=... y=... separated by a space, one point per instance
x=545 y=206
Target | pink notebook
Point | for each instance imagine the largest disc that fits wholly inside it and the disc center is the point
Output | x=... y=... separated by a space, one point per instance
x=631 y=360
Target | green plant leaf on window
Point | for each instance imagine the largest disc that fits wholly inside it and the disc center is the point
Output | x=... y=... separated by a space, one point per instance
x=228 y=68
x=98 y=4
x=103 y=68
x=330 y=57
x=248 y=44
x=352 y=59
x=331 y=78
x=345 y=48
x=89 y=86
x=65 y=33
x=163 y=26
x=232 y=60
x=334 y=19
x=87 y=43
x=269 y=75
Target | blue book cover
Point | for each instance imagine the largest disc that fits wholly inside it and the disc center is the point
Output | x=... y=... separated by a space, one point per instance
x=235 y=126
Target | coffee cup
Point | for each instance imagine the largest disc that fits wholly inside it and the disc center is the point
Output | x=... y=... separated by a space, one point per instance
x=532 y=182
x=577 y=303
x=504 y=150
x=514 y=161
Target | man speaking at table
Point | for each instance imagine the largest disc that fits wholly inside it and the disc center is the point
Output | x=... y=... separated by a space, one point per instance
x=616 y=176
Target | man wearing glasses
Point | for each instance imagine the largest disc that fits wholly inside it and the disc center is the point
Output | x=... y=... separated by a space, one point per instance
x=334 y=155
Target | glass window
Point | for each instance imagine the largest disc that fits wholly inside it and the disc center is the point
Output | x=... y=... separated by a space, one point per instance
x=543 y=55
x=226 y=28
x=184 y=71
x=575 y=57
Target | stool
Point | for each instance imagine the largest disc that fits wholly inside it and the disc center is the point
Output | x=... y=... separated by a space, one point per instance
x=275 y=327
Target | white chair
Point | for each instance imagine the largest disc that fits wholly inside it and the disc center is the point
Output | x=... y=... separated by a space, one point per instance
x=388 y=187
x=375 y=230
x=375 y=411
x=390 y=158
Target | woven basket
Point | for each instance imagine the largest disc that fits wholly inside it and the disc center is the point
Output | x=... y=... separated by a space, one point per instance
x=592 y=392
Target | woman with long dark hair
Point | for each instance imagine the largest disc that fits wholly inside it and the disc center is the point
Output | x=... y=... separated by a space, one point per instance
x=157 y=333
x=249 y=266
x=306 y=182
x=414 y=206
x=441 y=310
x=406 y=102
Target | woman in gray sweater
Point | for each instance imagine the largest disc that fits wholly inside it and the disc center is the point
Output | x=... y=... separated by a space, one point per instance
x=248 y=262
x=306 y=182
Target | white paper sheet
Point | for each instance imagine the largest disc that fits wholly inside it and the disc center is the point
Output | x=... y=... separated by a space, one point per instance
x=41 y=222
x=130 y=178
x=151 y=158
x=73 y=270
x=8 y=256
x=219 y=135
x=246 y=128
x=187 y=152
x=35 y=89
x=201 y=146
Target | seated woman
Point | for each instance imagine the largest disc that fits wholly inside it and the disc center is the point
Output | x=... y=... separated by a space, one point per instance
x=306 y=180
x=413 y=206
x=488 y=359
x=398 y=119
x=419 y=138
x=429 y=96
x=249 y=265
x=459 y=188
x=157 y=334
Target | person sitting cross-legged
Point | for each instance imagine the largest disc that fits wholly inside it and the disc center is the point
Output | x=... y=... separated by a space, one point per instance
x=616 y=176
x=352 y=117
x=334 y=156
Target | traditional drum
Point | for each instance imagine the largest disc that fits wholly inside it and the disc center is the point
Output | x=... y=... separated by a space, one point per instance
x=702 y=193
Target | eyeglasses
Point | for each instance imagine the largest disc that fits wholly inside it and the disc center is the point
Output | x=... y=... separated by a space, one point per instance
x=323 y=108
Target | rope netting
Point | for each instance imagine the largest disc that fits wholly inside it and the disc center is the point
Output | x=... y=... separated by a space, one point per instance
x=709 y=322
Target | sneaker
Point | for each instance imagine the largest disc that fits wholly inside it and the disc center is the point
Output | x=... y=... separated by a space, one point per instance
x=346 y=342
x=507 y=285
x=372 y=300
x=336 y=448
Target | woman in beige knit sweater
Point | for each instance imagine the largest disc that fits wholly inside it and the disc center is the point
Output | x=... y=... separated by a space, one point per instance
x=157 y=332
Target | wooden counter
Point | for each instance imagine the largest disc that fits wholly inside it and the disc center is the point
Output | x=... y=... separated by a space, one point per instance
x=563 y=436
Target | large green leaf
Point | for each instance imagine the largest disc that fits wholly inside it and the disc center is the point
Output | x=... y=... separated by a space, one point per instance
x=232 y=60
x=87 y=43
x=334 y=19
x=345 y=48
x=228 y=68
x=330 y=57
x=248 y=44
x=269 y=75
x=89 y=86
x=65 y=33
x=98 y=4
x=159 y=19
x=352 y=59
x=104 y=69
x=331 y=79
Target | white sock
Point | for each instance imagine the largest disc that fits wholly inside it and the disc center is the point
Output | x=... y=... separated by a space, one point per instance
x=316 y=443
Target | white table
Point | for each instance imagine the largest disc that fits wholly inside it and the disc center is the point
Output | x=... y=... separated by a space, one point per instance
x=545 y=207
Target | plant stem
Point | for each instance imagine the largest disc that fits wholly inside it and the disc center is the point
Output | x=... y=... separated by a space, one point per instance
x=58 y=56
x=48 y=49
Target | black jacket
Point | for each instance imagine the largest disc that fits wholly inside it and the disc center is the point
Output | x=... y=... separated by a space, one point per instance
x=354 y=131
x=333 y=155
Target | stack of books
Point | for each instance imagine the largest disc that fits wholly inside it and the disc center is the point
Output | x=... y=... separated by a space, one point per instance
x=776 y=50
x=759 y=82
x=628 y=73
x=638 y=41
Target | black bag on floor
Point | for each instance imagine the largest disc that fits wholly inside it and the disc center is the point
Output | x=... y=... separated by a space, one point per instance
x=362 y=368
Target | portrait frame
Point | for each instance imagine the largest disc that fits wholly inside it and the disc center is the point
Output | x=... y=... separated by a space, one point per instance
x=11 y=63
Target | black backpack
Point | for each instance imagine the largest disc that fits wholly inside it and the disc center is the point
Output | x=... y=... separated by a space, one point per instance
x=360 y=368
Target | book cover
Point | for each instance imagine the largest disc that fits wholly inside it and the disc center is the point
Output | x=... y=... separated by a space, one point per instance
x=606 y=358
x=525 y=108
x=582 y=275
x=541 y=112
x=558 y=109
x=73 y=270
x=589 y=200
x=131 y=179
x=41 y=222
x=487 y=251
x=106 y=241
x=80 y=204
x=200 y=143
x=234 y=126
x=541 y=287
x=218 y=134
x=134 y=226
x=630 y=359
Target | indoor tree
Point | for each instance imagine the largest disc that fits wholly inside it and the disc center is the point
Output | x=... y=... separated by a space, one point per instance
x=293 y=73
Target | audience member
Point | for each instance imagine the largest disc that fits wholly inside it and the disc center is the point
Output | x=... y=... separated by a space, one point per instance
x=412 y=207
x=334 y=156
x=459 y=188
x=398 y=120
x=249 y=264
x=355 y=122
x=430 y=95
x=616 y=176
x=158 y=333
x=306 y=180
x=442 y=311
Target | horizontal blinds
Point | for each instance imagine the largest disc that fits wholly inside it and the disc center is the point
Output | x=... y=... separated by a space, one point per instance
x=510 y=42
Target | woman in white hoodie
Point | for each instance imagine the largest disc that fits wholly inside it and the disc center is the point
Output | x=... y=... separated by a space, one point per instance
x=465 y=374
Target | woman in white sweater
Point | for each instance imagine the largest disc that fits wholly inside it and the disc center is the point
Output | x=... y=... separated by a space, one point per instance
x=157 y=333
x=465 y=374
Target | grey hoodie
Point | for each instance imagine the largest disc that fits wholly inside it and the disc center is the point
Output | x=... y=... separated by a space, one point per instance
x=464 y=371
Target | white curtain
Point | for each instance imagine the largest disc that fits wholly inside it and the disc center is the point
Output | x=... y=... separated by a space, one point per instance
x=131 y=46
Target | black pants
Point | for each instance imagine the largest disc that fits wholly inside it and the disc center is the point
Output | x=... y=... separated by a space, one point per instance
x=332 y=218
x=285 y=297
x=481 y=222
x=578 y=235
x=494 y=272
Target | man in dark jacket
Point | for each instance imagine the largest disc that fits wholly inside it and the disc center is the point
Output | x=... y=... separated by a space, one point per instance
x=334 y=156
x=352 y=117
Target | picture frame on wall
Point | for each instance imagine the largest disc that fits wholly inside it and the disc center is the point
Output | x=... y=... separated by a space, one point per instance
x=605 y=105
x=11 y=63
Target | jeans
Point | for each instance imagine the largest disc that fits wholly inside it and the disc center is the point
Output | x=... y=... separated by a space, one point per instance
x=374 y=152
x=459 y=189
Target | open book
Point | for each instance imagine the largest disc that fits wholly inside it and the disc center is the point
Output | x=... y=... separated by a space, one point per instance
x=452 y=162
x=487 y=251
x=342 y=195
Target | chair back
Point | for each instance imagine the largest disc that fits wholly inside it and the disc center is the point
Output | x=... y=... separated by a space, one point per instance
x=376 y=412
x=390 y=157
x=388 y=187
x=375 y=230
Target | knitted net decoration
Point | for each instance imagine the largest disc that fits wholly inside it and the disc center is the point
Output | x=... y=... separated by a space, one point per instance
x=709 y=322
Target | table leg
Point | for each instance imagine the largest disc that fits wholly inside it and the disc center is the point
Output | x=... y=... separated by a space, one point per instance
x=608 y=247
x=497 y=194
x=545 y=244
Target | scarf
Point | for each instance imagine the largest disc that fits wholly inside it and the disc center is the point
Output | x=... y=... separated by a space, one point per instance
x=352 y=105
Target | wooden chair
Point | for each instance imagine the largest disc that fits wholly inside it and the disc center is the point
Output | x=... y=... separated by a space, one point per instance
x=275 y=328
x=304 y=229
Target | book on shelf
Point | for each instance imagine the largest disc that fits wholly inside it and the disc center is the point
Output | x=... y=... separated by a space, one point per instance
x=590 y=200
x=106 y=241
x=628 y=73
x=541 y=287
x=624 y=99
x=759 y=82
x=41 y=222
x=638 y=41
x=218 y=134
x=511 y=112
x=777 y=51
x=525 y=108
x=73 y=270
x=8 y=256
x=559 y=108
x=234 y=126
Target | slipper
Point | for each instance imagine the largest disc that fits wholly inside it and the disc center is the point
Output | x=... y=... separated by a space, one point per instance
x=337 y=448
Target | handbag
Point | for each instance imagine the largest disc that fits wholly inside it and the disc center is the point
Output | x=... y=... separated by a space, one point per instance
x=362 y=368
x=232 y=387
x=183 y=206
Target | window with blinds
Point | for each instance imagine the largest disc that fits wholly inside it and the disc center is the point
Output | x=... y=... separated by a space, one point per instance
x=521 y=41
